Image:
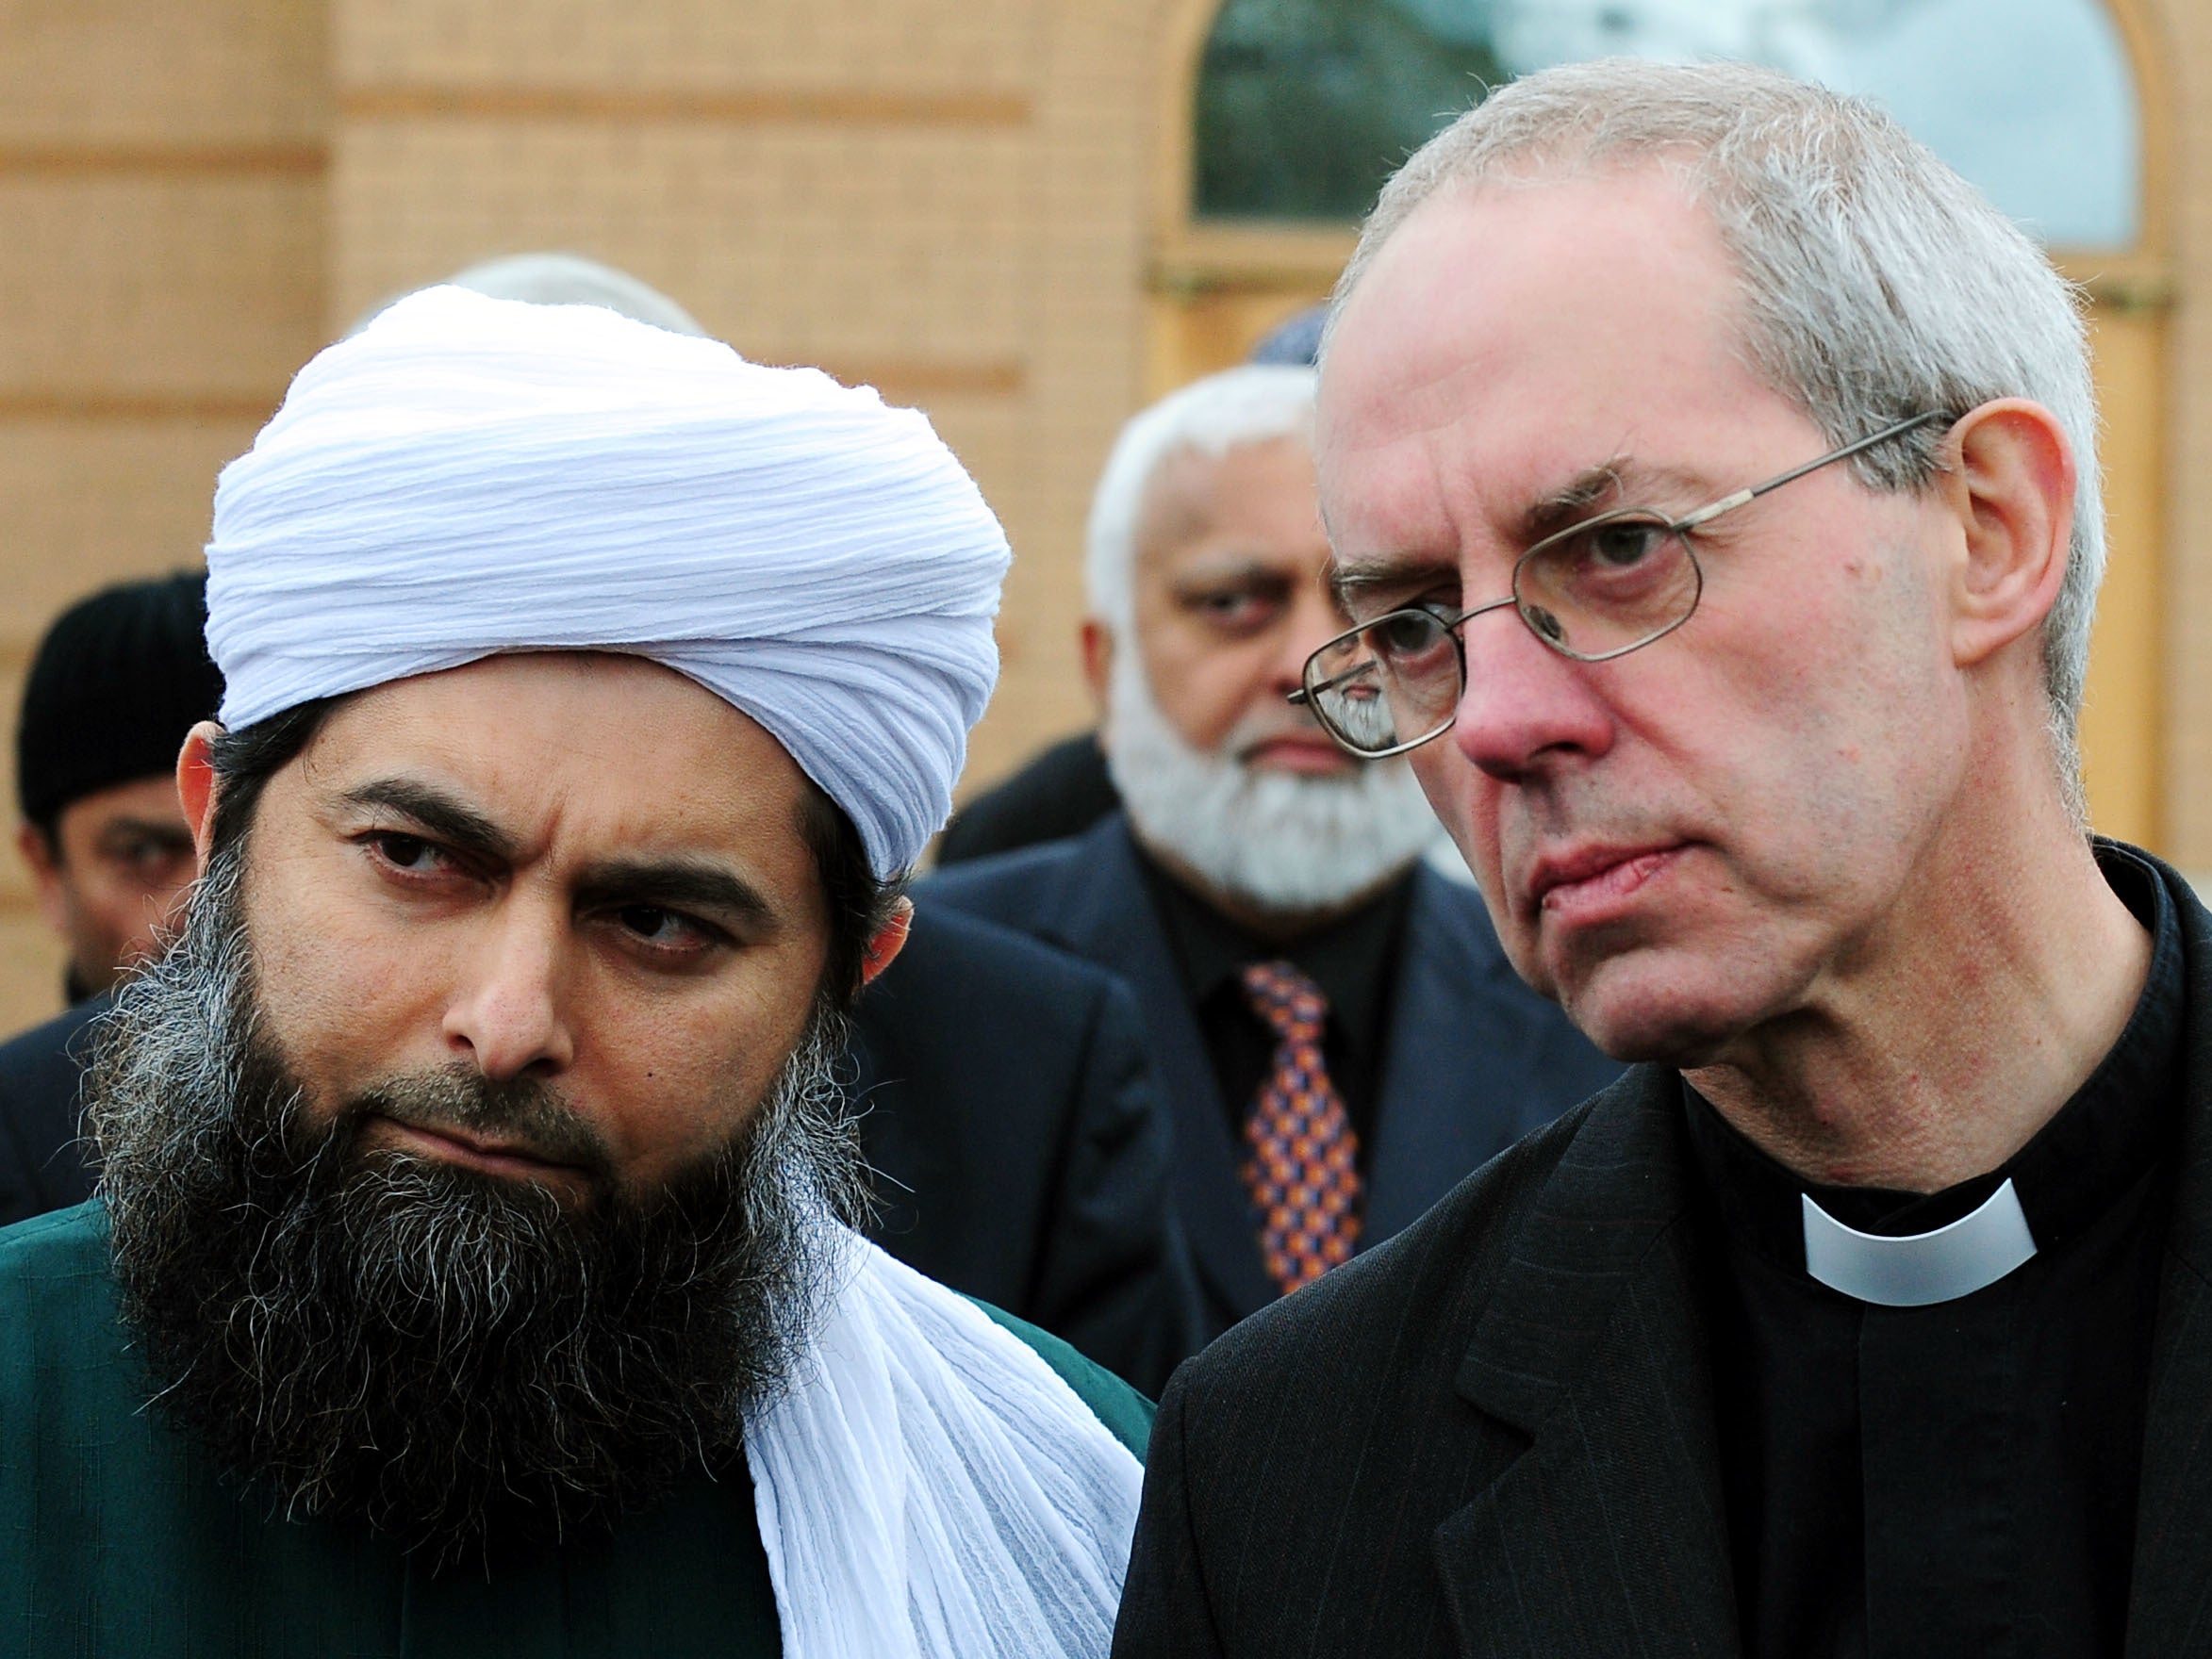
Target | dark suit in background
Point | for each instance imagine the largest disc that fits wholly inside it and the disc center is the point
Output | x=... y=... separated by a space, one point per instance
x=1471 y=1058
x=1022 y=1151
x=1495 y=1436
x=42 y=1166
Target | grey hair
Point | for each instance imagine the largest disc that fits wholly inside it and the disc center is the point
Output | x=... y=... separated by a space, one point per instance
x=1247 y=404
x=562 y=279
x=1876 y=283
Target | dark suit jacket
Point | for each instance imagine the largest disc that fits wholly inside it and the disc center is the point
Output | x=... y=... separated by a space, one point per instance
x=1494 y=1436
x=1022 y=1151
x=1473 y=1059
x=41 y=1167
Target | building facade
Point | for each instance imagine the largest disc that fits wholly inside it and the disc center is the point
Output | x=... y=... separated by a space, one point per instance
x=1010 y=212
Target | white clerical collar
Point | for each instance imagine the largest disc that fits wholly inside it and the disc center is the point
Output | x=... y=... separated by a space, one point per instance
x=1977 y=1249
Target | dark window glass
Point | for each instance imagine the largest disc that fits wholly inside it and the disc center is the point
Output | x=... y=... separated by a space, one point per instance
x=1304 y=106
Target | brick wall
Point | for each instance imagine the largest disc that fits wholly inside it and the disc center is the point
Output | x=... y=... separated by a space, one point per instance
x=956 y=200
x=946 y=202
x=161 y=267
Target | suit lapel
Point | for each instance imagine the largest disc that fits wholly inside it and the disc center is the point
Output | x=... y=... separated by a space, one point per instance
x=1104 y=913
x=1441 y=1030
x=1607 y=1534
x=2169 y=1607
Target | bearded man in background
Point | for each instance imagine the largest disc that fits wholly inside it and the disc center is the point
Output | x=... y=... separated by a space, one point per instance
x=1340 y=1035
x=469 y=1270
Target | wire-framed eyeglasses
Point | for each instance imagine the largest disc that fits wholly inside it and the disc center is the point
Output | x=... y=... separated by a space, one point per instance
x=1594 y=591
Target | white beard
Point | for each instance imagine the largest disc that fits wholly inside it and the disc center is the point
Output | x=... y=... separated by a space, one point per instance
x=1283 y=842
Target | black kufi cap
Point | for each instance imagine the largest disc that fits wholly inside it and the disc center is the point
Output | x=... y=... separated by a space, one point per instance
x=119 y=680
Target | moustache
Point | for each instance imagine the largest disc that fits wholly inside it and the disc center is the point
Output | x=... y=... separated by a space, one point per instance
x=1262 y=727
x=523 y=1115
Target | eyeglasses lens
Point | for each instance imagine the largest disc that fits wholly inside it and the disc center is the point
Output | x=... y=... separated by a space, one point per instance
x=1596 y=591
x=1393 y=681
x=1606 y=586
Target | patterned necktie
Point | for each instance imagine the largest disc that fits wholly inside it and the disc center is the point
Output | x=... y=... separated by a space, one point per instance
x=1303 y=1171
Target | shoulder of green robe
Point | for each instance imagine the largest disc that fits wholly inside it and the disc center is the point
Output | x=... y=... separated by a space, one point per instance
x=60 y=1337
x=1125 y=1413
x=59 y=1252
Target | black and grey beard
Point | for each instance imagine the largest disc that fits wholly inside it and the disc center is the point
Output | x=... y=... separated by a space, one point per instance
x=461 y=1360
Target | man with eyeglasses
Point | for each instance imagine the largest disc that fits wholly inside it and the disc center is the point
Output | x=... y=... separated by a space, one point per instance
x=1712 y=481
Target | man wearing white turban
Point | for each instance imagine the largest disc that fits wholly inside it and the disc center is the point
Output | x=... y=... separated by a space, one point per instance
x=470 y=1270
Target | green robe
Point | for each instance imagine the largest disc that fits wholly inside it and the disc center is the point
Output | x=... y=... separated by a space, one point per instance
x=118 y=1537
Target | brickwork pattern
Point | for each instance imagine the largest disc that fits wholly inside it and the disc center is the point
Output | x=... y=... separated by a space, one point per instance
x=823 y=242
x=139 y=287
x=2184 y=34
x=948 y=203
x=901 y=46
x=957 y=202
x=161 y=266
x=225 y=75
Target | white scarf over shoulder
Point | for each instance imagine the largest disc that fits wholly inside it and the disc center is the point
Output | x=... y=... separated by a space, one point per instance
x=930 y=1489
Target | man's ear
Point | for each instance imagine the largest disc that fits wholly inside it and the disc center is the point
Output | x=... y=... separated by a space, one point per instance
x=45 y=859
x=883 y=949
x=1098 y=661
x=197 y=785
x=2012 y=487
x=42 y=856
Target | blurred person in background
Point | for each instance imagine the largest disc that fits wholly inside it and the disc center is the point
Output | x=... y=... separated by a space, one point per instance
x=1340 y=1035
x=1066 y=788
x=1295 y=343
x=117 y=680
x=552 y=276
x=472 y=1266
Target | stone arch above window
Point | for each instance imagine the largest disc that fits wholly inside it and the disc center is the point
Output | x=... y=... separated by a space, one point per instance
x=1304 y=106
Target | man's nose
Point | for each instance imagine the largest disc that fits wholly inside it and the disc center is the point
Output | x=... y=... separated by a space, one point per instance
x=508 y=1015
x=1525 y=707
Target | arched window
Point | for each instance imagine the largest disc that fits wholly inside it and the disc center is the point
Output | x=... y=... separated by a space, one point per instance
x=1304 y=106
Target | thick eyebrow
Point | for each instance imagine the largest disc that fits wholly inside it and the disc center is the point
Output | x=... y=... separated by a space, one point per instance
x=1551 y=512
x=460 y=827
x=1556 y=509
x=1207 y=572
x=1411 y=573
x=1616 y=483
x=676 y=883
x=153 y=829
x=1392 y=573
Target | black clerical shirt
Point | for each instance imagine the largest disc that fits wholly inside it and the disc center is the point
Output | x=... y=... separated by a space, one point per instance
x=1958 y=1478
x=1352 y=958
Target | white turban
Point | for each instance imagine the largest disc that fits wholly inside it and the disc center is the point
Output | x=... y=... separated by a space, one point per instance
x=467 y=476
